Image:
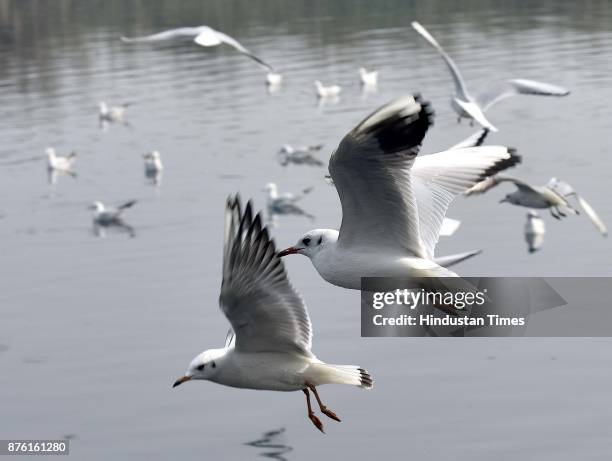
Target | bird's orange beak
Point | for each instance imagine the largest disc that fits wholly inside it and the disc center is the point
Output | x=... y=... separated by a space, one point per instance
x=181 y=380
x=288 y=251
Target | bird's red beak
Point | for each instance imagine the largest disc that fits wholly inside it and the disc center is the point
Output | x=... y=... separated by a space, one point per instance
x=288 y=251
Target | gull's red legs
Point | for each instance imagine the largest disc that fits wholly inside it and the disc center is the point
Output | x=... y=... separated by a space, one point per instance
x=316 y=421
x=326 y=411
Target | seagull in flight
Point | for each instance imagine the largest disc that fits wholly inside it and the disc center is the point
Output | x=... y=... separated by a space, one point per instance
x=271 y=348
x=207 y=36
x=474 y=108
x=553 y=196
x=393 y=201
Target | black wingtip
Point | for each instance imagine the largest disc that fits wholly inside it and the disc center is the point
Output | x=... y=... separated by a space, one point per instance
x=401 y=125
x=513 y=160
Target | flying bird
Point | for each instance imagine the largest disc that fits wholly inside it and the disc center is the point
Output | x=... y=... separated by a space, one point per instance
x=554 y=196
x=474 y=108
x=271 y=349
x=204 y=36
x=393 y=202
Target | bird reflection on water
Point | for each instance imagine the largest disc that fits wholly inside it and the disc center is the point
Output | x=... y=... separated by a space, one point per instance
x=273 y=443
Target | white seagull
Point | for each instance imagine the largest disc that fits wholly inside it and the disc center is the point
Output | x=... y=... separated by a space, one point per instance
x=393 y=202
x=302 y=155
x=534 y=231
x=153 y=163
x=327 y=92
x=467 y=106
x=108 y=113
x=60 y=163
x=204 y=36
x=271 y=349
x=368 y=78
x=106 y=216
x=286 y=203
x=554 y=196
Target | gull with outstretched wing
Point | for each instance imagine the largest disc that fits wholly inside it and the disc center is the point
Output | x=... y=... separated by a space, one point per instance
x=474 y=108
x=270 y=347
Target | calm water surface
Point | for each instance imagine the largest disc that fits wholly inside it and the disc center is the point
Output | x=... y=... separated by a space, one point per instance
x=93 y=331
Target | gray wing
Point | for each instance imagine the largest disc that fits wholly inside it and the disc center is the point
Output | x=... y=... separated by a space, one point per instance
x=181 y=32
x=371 y=172
x=492 y=181
x=460 y=87
x=265 y=311
x=515 y=87
x=565 y=190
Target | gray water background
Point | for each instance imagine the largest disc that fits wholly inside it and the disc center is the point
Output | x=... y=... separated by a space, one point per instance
x=94 y=331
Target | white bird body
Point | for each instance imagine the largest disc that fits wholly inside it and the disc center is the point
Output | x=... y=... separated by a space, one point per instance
x=393 y=202
x=271 y=347
x=274 y=79
x=344 y=267
x=332 y=91
x=535 y=229
x=59 y=163
x=368 y=78
x=474 y=108
x=553 y=196
x=112 y=113
x=202 y=35
x=153 y=163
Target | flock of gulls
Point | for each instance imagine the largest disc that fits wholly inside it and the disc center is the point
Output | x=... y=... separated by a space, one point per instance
x=394 y=201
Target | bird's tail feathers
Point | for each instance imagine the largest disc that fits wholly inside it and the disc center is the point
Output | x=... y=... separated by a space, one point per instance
x=325 y=373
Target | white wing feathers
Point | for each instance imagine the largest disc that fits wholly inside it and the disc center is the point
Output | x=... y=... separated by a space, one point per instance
x=460 y=87
x=565 y=190
x=391 y=198
x=210 y=37
x=264 y=310
x=492 y=181
x=181 y=32
x=371 y=171
x=439 y=178
x=518 y=86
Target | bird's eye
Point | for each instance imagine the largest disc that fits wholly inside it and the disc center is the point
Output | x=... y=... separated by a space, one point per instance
x=200 y=367
x=306 y=240
x=214 y=365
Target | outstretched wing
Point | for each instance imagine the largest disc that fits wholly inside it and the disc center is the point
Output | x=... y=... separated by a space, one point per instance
x=565 y=190
x=371 y=172
x=265 y=311
x=492 y=181
x=460 y=87
x=210 y=37
x=438 y=178
x=181 y=32
x=518 y=86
